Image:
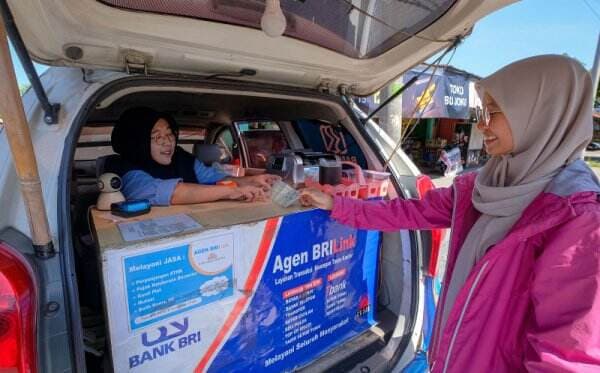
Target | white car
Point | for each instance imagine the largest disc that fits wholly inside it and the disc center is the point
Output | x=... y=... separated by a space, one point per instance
x=594 y=145
x=211 y=65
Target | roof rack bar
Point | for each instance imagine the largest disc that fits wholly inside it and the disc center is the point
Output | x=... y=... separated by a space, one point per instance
x=50 y=110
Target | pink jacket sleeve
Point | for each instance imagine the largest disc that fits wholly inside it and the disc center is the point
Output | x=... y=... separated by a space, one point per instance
x=564 y=334
x=433 y=211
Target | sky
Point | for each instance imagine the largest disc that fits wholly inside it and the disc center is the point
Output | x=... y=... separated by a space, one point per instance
x=21 y=76
x=527 y=28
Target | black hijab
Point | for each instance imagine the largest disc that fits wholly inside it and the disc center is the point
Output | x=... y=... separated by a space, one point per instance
x=131 y=140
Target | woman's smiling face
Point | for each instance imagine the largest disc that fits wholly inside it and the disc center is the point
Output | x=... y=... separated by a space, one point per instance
x=162 y=142
x=496 y=131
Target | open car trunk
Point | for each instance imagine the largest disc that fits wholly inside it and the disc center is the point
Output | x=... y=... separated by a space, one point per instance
x=331 y=309
x=357 y=46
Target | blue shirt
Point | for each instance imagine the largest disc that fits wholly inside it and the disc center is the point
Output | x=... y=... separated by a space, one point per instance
x=138 y=184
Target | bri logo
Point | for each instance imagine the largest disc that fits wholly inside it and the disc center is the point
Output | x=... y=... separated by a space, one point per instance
x=363 y=306
x=333 y=139
x=164 y=334
x=163 y=341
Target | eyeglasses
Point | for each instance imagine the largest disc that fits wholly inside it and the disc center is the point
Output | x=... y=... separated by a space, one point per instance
x=163 y=139
x=485 y=115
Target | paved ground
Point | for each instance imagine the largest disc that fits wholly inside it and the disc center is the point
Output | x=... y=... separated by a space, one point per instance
x=441 y=181
x=595 y=154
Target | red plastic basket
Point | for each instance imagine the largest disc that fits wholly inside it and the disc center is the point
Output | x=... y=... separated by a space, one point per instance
x=377 y=182
x=356 y=183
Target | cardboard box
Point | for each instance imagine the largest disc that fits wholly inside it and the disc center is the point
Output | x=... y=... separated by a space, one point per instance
x=239 y=287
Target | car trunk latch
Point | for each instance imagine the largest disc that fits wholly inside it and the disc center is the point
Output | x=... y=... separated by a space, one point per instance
x=136 y=62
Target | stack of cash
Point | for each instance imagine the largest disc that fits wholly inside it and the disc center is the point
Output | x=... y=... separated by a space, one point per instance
x=283 y=194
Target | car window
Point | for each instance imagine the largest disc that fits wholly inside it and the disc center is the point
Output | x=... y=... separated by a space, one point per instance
x=94 y=143
x=347 y=27
x=225 y=139
x=188 y=136
x=324 y=137
x=94 y=140
x=261 y=139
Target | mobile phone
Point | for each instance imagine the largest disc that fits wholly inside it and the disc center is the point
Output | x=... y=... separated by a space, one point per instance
x=128 y=209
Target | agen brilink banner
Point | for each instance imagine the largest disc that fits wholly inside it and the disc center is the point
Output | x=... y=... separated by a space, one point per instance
x=268 y=296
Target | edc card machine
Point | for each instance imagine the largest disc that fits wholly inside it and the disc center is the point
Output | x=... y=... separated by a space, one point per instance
x=291 y=164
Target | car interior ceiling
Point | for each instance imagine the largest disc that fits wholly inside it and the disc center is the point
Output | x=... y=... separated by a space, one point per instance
x=205 y=111
x=217 y=108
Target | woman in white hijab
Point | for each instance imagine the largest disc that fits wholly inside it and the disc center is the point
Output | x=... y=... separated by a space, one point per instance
x=522 y=285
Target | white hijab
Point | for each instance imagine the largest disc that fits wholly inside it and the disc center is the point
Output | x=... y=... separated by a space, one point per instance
x=547 y=101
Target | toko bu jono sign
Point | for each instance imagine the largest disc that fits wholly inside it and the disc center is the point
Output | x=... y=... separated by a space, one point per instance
x=446 y=96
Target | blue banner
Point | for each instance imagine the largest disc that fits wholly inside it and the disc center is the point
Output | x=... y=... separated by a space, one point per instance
x=446 y=96
x=317 y=291
x=168 y=282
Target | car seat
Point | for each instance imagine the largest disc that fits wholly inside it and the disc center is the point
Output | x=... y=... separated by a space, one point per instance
x=211 y=153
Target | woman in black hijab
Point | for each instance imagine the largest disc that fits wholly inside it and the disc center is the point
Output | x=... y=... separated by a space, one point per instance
x=152 y=166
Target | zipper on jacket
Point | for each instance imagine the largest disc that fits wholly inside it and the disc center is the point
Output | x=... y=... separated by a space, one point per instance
x=462 y=314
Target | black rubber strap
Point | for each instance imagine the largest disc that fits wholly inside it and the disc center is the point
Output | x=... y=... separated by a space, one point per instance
x=44 y=251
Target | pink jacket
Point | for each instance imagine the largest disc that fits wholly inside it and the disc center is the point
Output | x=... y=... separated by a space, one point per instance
x=532 y=303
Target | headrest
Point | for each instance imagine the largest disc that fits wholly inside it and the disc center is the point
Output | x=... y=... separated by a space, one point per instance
x=211 y=153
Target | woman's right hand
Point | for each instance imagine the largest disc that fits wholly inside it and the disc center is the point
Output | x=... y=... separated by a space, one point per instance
x=316 y=198
x=247 y=193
